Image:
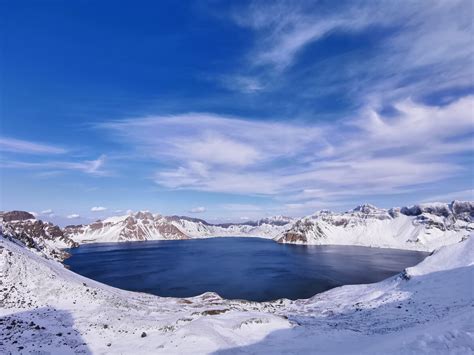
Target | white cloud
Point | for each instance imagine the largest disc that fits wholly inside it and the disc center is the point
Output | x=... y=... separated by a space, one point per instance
x=93 y=167
x=285 y=28
x=48 y=211
x=419 y=49
x=199 y=209
x=428 y=33
x=370 y=153
x=244 y=84
x=27 y=147
x=73 y=216
x=464 y=195
x=210 y=139
x=98 y=209
x=241 y=207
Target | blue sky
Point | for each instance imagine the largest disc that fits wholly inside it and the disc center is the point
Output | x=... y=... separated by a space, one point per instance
x=233 y=110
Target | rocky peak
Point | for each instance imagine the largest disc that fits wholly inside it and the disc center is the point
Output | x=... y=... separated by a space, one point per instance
x=366 y=208
x=189 y=219
x=16 y=216
x=44 y=237
x=458 y=209
x=463 y=208
x=143 y=215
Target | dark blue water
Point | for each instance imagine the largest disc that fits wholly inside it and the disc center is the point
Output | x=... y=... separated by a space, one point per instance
x=244 y=268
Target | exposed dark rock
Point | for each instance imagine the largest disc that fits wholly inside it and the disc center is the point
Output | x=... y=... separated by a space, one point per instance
x=16 y=216
x=34 y=234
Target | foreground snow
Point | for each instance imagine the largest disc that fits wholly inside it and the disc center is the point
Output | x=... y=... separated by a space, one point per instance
x=427 y=309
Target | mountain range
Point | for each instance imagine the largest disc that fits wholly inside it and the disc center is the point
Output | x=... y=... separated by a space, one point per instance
x=418 y=227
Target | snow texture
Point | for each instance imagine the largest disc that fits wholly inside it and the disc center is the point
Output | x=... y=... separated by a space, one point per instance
x=428 y=309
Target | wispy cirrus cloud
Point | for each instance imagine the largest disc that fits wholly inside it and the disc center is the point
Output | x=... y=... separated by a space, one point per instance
x=463 y=195
x=22 y=146
x=49 y=166
x=284 y=28
x=367 y=154
x=242 y=83
x=416 y=50
x=92 y=167
x=215 y=139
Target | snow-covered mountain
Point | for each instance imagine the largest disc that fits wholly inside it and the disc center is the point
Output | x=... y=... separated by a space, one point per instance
x=43 y=237
x=46 y=308
x=420 y=227
x=148 y=226
x=265 y=228
x=132 y=227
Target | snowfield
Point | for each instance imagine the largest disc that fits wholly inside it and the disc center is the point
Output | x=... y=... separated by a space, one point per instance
x=45 y=308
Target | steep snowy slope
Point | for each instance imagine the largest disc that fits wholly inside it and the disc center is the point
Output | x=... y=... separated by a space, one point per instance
x=46 y=308
x=43 y=237
x=419 y=227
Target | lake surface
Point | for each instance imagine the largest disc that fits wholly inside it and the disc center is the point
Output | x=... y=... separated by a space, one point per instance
x=236 y=268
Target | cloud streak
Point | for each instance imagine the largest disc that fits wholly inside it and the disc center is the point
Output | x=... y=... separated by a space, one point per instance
x=98 y=209
x=418 y=49
x=27 y=147
x=199 y=209
x=92 y=167
x=370 y=153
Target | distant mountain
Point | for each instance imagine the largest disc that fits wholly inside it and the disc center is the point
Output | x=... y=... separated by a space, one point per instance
x=421 y=227
x=43 y=237
x=148 y=226
x=133 y=227
x=418 y=227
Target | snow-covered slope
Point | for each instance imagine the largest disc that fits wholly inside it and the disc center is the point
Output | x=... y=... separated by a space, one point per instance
x=419 y=227
x=147 y=226
x=43 y=237
x=133 y=227
x=46 y=308
x=263 y=228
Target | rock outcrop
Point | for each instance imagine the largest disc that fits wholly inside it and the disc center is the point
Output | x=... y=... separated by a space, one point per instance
x=43 y=237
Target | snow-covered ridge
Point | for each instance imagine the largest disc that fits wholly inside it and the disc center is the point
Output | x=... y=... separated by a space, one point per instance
x=268 y=227
x=133 y=227
x=418 y=227
x=425 y=310
x=43 y=237
x=148 y=226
